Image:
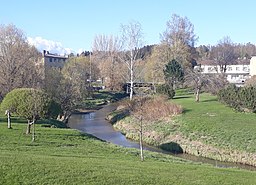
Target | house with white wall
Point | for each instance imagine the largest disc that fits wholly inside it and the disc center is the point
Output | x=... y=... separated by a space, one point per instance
x=236 y=74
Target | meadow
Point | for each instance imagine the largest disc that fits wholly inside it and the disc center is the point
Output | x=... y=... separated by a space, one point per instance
x=66 y=156
x=216 y=124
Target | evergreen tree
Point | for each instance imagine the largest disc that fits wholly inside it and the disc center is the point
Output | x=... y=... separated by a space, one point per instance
x=173 y=73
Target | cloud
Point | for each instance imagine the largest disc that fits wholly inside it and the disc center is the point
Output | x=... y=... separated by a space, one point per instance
x=49 y=45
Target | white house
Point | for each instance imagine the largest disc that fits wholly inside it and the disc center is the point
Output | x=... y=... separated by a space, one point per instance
x=236 y=74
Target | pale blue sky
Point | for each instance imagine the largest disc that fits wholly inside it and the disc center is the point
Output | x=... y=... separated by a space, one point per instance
x=75 y=23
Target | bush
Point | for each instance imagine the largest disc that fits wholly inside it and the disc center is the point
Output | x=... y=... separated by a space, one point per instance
x=239 y=98
x=152 y=108
x=165 y=90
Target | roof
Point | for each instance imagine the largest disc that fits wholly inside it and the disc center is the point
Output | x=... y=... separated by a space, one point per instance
x=244 y=61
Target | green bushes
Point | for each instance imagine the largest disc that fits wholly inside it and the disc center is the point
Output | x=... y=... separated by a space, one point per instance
x=239 y=98
x=166 y=90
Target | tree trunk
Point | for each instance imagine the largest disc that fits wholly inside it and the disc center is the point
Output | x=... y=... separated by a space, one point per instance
x=33 y=132
x=197 y=94
x=131 y=76
x=64 y=117
x=8 y=119
x=141 y=142
x=28 y=127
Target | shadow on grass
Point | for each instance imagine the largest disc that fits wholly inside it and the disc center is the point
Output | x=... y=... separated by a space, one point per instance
x=186 y=110
x=172 y=147
x=210 y=100
x=17 y=120
x=110 y=96
x=182 y=97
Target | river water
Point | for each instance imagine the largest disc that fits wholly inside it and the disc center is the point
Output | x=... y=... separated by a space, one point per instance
x=94 y=123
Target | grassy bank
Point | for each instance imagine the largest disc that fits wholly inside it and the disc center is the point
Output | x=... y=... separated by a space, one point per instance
x=65 y=156
x=207 y=128
x=217 y=124
x=100 y=98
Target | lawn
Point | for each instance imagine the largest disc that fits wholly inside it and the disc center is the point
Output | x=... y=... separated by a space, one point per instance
x=65 y=156
x=216 y=124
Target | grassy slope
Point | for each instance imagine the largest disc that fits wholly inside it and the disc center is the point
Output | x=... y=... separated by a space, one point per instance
x=63 y=156
x=216 y=124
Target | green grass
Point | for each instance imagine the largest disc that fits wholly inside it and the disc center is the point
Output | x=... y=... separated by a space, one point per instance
x=216 y=124
x=100 y=98
x=65 y=156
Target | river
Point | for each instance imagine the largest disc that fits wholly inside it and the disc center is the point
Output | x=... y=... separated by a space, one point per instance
x=94 y=123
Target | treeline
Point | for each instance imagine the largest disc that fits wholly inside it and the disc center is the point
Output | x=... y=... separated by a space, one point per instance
x=239 y=98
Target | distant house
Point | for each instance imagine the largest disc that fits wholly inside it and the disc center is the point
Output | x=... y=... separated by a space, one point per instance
x=53 y=60
x=236 y=74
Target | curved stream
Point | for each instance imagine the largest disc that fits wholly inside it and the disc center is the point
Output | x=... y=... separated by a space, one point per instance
x=94 y=123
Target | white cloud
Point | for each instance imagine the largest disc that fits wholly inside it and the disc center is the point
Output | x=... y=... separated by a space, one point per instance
x=80 y=50
x=49 y=45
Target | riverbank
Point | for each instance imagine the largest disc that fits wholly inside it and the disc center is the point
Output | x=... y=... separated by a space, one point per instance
x=65 y=156
x=207 y=129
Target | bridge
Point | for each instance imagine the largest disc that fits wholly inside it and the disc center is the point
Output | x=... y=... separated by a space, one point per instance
x=140 y=87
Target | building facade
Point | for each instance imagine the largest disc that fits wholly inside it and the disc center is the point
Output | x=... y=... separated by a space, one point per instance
x=236 y=74
x=53 y=60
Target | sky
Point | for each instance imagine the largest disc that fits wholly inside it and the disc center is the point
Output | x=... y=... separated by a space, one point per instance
x=64 y=26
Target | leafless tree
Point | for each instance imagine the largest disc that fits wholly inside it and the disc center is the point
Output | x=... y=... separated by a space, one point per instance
x=106 y=50
x=146 y=110
x=18 y=60
x=132 y=40
x=200 y=81
x=224 y=54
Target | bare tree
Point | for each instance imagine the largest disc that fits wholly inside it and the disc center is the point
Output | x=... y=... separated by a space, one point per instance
x=146 y=110
x=197 y=80
x=224 y=54
x=18 y=59
x=180 y=38
x=106 y=50
x=131 y=41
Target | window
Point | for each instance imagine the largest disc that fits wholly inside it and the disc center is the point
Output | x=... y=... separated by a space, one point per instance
x=237 y=68
x=210 y=69
x=50 y=59
x=245 y=68
x=234 y=76
x=229 y=69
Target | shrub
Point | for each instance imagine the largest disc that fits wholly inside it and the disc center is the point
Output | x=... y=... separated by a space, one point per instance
x=165 y=90
x=239 y=98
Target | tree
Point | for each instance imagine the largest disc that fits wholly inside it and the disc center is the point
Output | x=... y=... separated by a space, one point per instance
x=106 y=51
x=224 y=54
x=197 y=80
x=146 y=110
x=179 y=38
x=18 y=60
x=155 y=63
x=131 y=42
x=70 y=86
x=173 y=73
x=29 y=103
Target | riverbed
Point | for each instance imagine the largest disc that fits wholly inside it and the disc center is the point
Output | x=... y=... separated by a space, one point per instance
x=94 y=123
